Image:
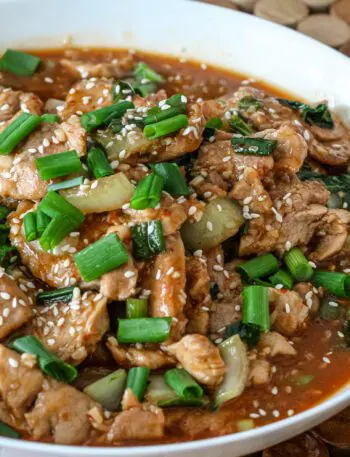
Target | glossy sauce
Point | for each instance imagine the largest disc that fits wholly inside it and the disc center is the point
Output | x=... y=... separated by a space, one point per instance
x=321 y=351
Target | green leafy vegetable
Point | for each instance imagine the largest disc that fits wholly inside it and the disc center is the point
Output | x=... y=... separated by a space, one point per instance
x=249 y=103
x=239 y=125
x=318 y=115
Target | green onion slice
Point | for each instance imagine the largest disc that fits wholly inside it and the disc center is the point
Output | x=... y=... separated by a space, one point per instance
x=256 y=307
x=136 y=307
x=336 y=283
x=9 y=432
x=137 y=381
x=108 y=391
x=282 y=277
x=49 y=363
x=67 y=184
x=19 y=63
x=142 y=71
x=99 y=258
x=148 y=192
x=161 y=115
x=63 y=295
x=57 y=165
x=298 y=265
x=103 y=116
x=183 y=383
x=144 y=330
x=174 y=182
x=165 y=127
x=98 y=163
x=17 y=131
x=253 y=146
x=147 y=239
x=29 y=223
x=239 y=125
x=258 y=267
x=50 y=118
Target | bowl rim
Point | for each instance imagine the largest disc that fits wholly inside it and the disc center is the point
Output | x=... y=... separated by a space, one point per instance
x=333 y=403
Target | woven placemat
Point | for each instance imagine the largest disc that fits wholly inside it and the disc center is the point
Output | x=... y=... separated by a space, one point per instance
x=326 y=20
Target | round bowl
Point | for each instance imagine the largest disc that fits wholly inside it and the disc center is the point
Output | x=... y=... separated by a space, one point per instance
x=213 y=35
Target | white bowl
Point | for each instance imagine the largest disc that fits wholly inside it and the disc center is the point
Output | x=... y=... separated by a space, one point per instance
x=213 y=35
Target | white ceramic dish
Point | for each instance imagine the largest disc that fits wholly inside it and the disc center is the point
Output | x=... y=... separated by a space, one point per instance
x=209 y=34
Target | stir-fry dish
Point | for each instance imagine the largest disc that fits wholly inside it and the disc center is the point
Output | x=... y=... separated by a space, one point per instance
x=174 y=251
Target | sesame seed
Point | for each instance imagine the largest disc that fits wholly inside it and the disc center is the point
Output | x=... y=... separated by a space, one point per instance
x=170 y=271
x=129 y=274
x=290 y=412
x=274 y=390
x=333 y=304
x=276 y=413
x=13 y=363
x=262 y=412
x=158 y=275
x=210 y=226
x=48 y=80
x=326 y=360
x=218 y=268
x=5 y=295
x=340 y=334
x=254 y=415
x=51 y=341
x=312 y=264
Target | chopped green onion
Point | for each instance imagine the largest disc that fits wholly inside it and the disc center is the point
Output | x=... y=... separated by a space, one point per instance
x=137 y=381
x=174 y=182
x=29 y=222
x=145 y=89
x=67 y=184
x=102 y=116
x=256 y=307
x=249 y=102
x=298 y=265
x=108 y=391
x=136 y=307
x=253 y=146
x=49 y=363
x=9 y=432
x=4 y=212
x=122 y=89
x=63 y=295
x=148 y=191
x=165 y=127
x=98 y=163
x=19 y=129
x=211 y=125
x=173 y=101
x=249 y=333
x=282 y=277
x=165 y=114
x=57 y=165
x=239 y=125
x=144 y=330
x=304 y=380
x=49 y=118
x=54 y=205
x=19 y=63
x=183 y=383
x=147 y=239
x=329 y=309
x=318 y=115
x=160 y=394
x=258 y=267
x=65 y=219
x=142 y=71
x=99 y=258
x=336 y=283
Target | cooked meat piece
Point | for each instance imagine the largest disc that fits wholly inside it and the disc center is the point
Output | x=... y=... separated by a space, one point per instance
x=288 y=311
x=224 y=314
x=144 y=423
x=305 y=445
x=61 y=412
x=200 y=358
x=15 y=307
x=250 y=193
x=116 y=68
x=87 y=95
x=306 y=292
x=331 y=233
x=13 y=102
x=57 y=267
x=260 y=372
x=171 y=214
x=261 y=237
x=19 y=178
x=120 y=284
x=273 y=343
x=72 y=330
x=291 y=150
x=19 y=385
x=168 y=283
x=129 y=356
x=330 y=146
x=198 y=295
